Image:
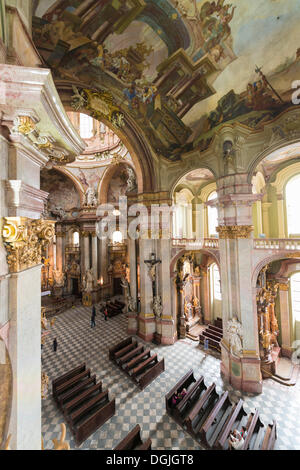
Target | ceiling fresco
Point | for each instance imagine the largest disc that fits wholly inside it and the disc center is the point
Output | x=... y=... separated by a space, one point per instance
x=179 y=68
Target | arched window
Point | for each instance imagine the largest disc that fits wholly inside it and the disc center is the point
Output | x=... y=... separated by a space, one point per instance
x=212 y=215
x=295 y=290
x=216 y=282
x=75 y=238
x=292 y=193
x=86 y=126
x=117 y=237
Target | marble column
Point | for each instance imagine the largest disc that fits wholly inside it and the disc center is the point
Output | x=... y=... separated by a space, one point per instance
x=241 y=369
x=280 y=215
x=199 y=217
x=147 y=325
x=132 y=316
x=167 y=325
x=285 y=322
x=86 y=251
x=265 y=217
x=59 y=250
x=95 y=256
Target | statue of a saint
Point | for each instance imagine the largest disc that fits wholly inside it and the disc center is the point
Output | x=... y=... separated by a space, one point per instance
x=157 y=306
x=58 y=278
x=88 y=281
x=234 y=330
x=90 y=197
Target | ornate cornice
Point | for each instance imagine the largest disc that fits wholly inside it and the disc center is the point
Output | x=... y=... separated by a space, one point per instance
x=24 y=240
x=234 y=231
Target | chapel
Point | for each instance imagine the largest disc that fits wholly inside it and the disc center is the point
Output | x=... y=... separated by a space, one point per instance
x=149 y=224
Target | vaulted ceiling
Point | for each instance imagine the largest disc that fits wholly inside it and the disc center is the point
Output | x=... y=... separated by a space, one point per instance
x=180 y=68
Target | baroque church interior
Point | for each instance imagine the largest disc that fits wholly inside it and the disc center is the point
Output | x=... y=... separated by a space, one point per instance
x=149 y=224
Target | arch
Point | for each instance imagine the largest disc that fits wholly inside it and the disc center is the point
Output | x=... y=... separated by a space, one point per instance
x=131 y=135
x=206 y=191
x=284 y=175
x=183 y=251
x=269 y=151
x=267 y=260
x=176 y=183
x=103 y=185
x=77 y=183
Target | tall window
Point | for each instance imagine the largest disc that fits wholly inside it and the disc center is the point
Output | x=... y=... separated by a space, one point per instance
x=295 y=290
x=76 y=238
x=86 y=124
x=216 y=282
x=212 y=215
x=117 y=237
x=292 y=193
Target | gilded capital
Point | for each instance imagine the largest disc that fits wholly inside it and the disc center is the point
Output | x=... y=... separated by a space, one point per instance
x=24 y=240
x=234 y=231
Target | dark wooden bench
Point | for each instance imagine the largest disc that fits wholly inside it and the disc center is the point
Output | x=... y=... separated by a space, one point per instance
x=215 y=328
x=201 y=410
x=270 y=437
x=184 y=382
x=214 y=423
x=211 y=418
x=211 y=342
x=219 y=323
x=85 y=406
x=64 y=397
x=253 y=426
x=133 y=441
x=184 y=406
x=215 y=331
x=136 y=361
x=232 y=422
x=67 y=376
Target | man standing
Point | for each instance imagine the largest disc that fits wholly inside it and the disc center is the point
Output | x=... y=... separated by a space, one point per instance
x=93 y=322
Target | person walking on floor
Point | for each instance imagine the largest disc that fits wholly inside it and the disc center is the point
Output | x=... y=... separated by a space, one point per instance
x=93 y=322
x=55 y=345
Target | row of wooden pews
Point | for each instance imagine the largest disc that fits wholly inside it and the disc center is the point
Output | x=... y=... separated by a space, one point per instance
x=85 y=405
x=114 y=308
x=137 y=361
x=213 y=335
x=210 y=418
x=133 y=441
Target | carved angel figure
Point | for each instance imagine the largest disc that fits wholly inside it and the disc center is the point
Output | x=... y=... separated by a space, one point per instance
x=157 y=306
x=234 y=330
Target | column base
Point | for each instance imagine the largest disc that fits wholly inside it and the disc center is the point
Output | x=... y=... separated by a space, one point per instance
x=146 y=326
x=243 y=373
x=132 y=326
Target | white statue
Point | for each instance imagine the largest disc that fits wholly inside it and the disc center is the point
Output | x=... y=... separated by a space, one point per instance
x=90 y=197
x=58 y=278
x=157 y=306
x=88 y=281
x=234 y=330
x=131 y=181
x=124 y=283
x=130 y=303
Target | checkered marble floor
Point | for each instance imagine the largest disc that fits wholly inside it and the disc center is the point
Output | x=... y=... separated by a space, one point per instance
x=78 y=342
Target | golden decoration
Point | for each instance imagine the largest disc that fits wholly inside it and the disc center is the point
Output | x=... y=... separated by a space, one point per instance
x=234 y=231
x=44 y=385
x=24 y=240
x=61 y=444
x=24 y=125
x=284 y=287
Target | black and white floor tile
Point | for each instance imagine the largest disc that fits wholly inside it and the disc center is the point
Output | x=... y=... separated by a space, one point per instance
x=78 y=342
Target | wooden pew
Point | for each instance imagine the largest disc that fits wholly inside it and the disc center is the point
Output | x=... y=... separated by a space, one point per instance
x=63 y=398
x=211 y=342
x=136 y=361
x=149 y=375
x=77 y=379
x=135 y=352
x=232 y=422
x=133 y=441
x=201 y=409
x=81 y=398
x=119 y=346
x=253 y=426
x=210 y=335
x=184 y=382
x=188 y=400
x=219 y=323
x=215 y=328
x=270 y=437
x=97 y=416
x=213 y=424
x=65 y=377
x=212 y=329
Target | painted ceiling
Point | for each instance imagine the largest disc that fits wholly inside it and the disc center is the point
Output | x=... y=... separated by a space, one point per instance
x=180 y=68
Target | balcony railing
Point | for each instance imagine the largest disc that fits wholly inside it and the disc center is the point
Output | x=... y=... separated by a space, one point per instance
x=197 y=244
x=285 y=244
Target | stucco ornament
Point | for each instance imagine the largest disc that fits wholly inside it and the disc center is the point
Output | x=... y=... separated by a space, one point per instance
x=235 y=335
x=157 y=306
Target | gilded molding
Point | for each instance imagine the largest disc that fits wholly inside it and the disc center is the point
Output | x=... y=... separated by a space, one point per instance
x=284 y=287
x=24 y=240
x=233 y=232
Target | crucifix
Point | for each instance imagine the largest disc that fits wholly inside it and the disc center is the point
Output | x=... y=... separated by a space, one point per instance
x=152 y=263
